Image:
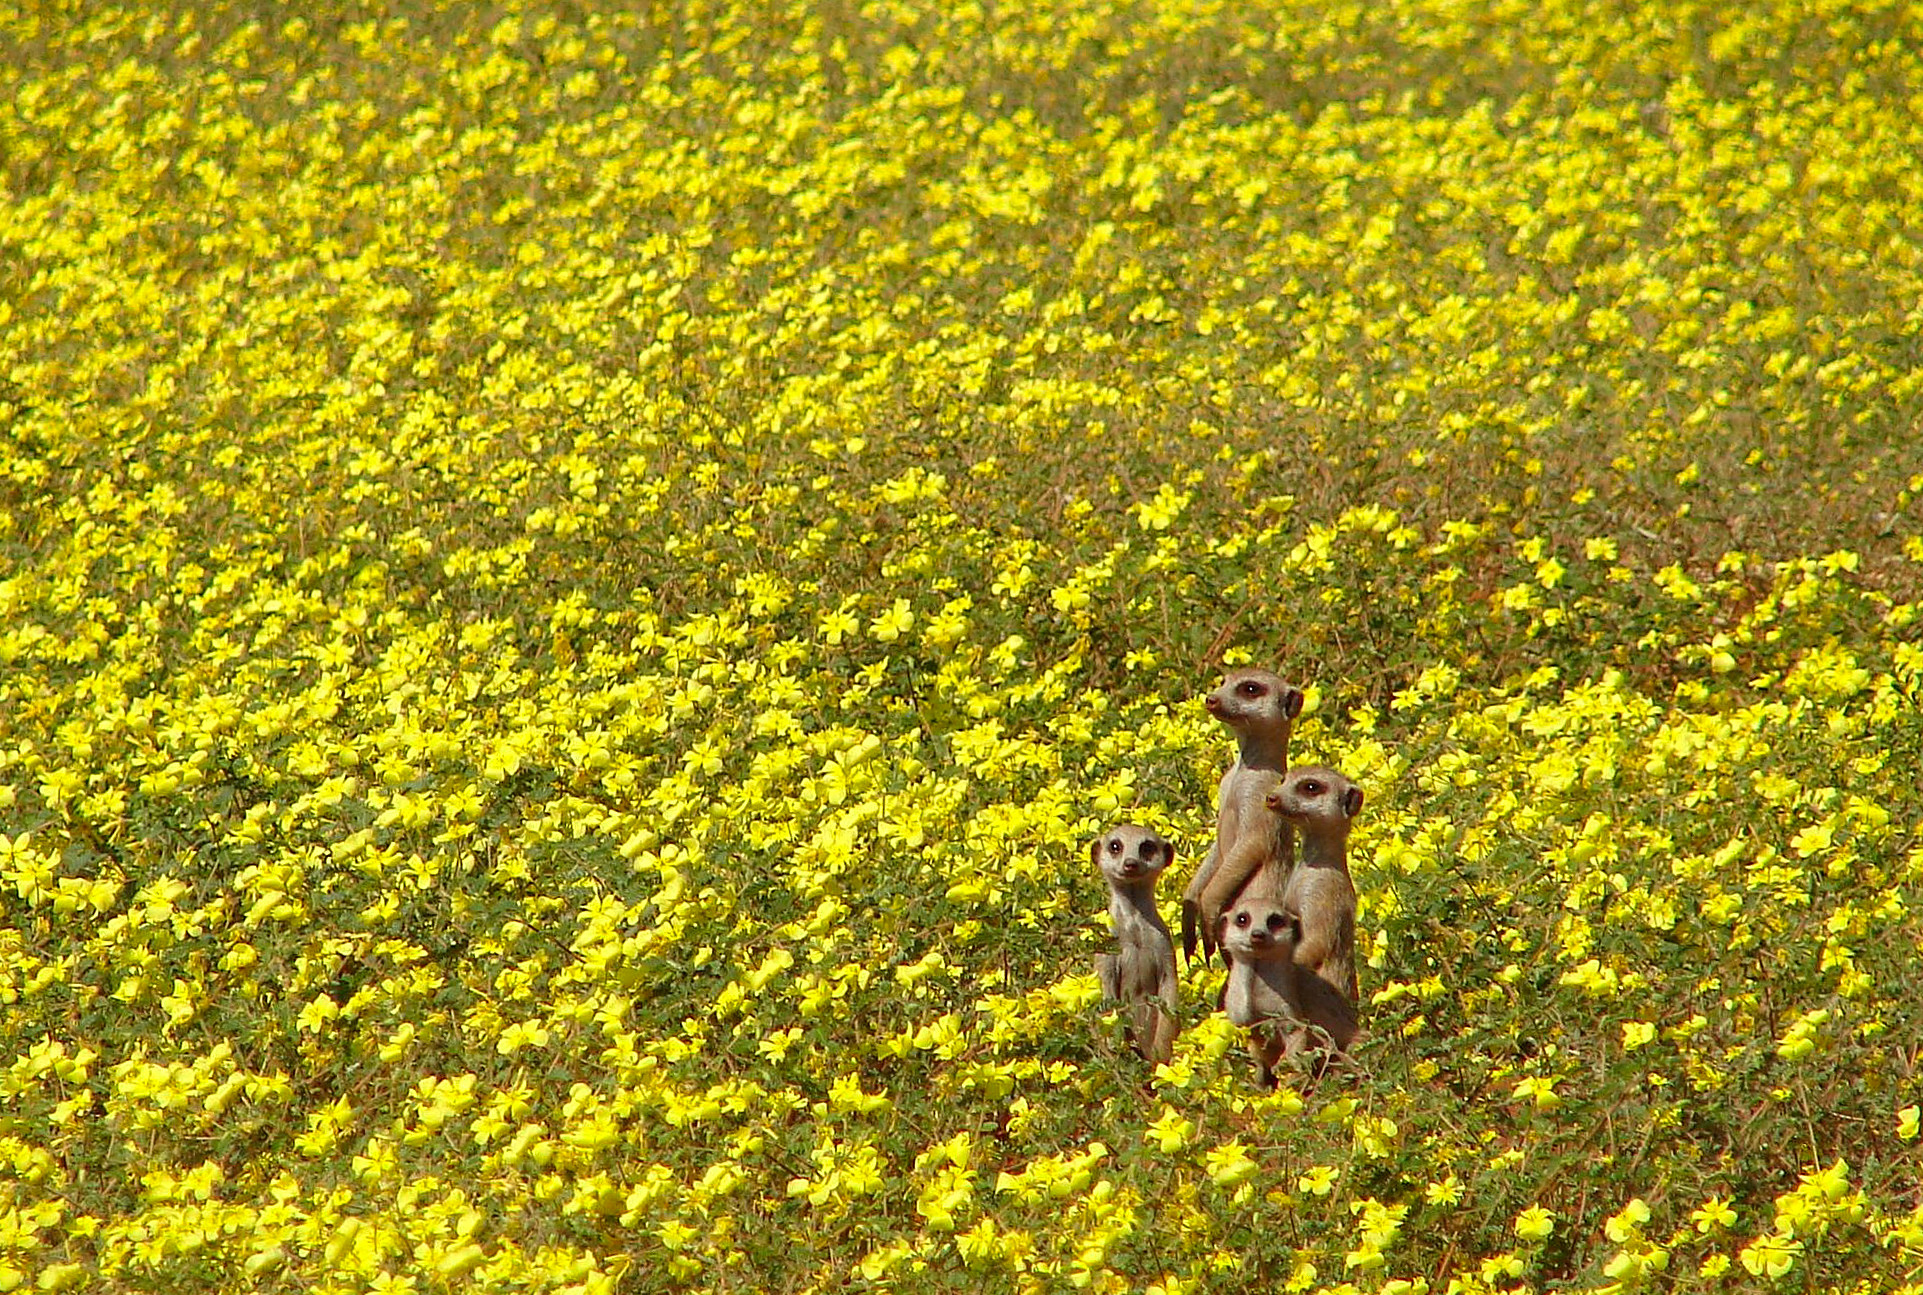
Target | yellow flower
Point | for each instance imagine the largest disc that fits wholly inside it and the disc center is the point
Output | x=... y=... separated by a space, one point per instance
x=1627 y=1223
x=837 y=625
x=1318 y=1180
x=1229 y=1165
x=891 y=624
x=1535 y=1224
x=1713 y=1215
x=1159 y=513
x=1770 y=1256
x=1170 y=1131
x=1540 y=1090
x=980 y=1245
x=1811 y=839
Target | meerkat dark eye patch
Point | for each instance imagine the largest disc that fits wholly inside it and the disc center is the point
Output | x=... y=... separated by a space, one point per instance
x=1114 y=845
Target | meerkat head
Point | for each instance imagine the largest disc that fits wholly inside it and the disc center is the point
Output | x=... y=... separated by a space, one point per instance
x=1130 y=854
x=1310 y=795
x=1261 y=929
x=1251 y=699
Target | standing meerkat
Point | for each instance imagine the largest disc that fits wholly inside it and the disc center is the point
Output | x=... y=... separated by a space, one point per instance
x=1322 y=805
x=1262 y=859
x=1142 y=971
x=1260 y=707
x=1271 y=994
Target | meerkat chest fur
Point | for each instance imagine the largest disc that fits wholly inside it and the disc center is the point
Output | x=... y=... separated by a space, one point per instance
x=1261 y=990
x=1143 y=943
x=1261 y=836
x=1260 y=936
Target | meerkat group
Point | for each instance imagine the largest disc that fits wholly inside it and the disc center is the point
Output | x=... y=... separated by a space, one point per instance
x=1283 y=918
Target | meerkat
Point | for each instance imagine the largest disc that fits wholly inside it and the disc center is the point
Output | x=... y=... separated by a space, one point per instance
x=1260 y=863
x=1273 y=996
x=1260 y=707
x=1322 y=804
x=1142 y=972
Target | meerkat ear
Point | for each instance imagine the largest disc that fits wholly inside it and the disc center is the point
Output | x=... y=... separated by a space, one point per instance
x=1095 y=852
x=1291 y=701
x=1352 y=801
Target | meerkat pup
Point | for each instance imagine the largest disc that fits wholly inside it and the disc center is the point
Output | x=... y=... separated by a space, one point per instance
x=1321 y=804
x=1142 y=971
x=1259 y=707
x=1270 y=994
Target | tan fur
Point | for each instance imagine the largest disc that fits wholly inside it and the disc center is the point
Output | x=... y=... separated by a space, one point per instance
x=1322 y=804
x=1261 y=860
x=1141 y=972
x=1274 y=997
x=1251 y=847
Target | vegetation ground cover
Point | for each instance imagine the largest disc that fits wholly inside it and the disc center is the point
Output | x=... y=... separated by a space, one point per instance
x=574 y=584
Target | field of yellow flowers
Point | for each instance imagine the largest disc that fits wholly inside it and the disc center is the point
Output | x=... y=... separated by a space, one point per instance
x=575 y=581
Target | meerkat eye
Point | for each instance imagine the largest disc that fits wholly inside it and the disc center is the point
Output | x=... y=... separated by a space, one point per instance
x=1242 y=919
x=1311 y=787
x=1277 y=921
x=1114 y=845
x=1249 y=688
